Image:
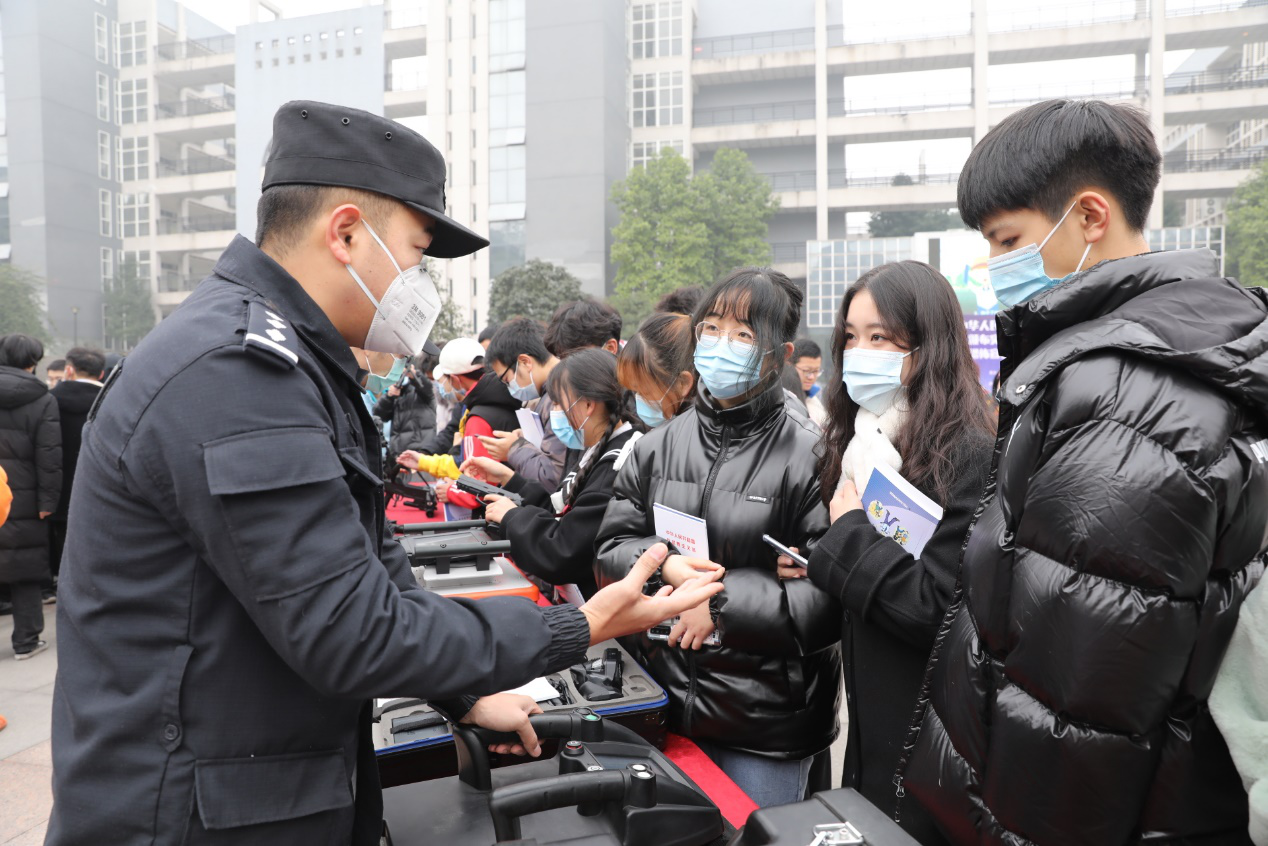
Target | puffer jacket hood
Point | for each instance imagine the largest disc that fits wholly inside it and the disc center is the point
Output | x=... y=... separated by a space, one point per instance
x=490 y=400
x=1157 y=306
x=18 y=388
x=1124 y=523
x=773 y=686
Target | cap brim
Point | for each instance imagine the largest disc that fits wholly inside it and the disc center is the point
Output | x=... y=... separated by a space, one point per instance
x=430 y=349
x=439 y=372
x=450 y=239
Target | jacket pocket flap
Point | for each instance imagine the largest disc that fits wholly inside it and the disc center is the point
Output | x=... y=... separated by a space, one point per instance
x=270 y=460
x=235 y=792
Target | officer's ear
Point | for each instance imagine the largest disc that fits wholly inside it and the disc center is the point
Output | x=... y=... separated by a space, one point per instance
x=342 y=226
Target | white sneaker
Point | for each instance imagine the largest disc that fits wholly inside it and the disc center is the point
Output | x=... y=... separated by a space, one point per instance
x=39 y=647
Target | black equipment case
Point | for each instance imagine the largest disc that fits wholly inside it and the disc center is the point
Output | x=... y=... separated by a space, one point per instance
x=607 y=787
x=414 y=743
x=843 y=817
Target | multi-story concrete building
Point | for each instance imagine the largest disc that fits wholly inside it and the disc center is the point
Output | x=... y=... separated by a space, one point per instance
x=540 y=107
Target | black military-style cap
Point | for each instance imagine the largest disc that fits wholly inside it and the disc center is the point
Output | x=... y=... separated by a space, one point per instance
x=322 y=144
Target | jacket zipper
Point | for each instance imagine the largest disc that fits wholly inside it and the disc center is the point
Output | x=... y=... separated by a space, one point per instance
x=704 y=511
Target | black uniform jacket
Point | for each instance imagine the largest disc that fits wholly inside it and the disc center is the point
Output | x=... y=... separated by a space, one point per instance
x=1124 y=526
x=773 y=687
x=229 y=602
x=561 y=551
x=74 y=399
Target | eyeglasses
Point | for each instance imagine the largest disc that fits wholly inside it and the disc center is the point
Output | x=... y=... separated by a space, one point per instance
x=810 y=374
x=739 y=341
x=505 y=373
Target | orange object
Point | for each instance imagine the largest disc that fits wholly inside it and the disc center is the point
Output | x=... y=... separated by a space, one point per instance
x=6 y=499
x=3 y=723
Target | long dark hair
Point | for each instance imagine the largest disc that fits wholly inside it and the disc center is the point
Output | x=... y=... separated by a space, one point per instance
x=659 y=351
x=768 y=302
x=919 y=309
x=590 y=374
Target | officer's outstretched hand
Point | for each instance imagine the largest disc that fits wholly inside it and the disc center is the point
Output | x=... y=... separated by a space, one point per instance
x=507 y=712
x=621 y=608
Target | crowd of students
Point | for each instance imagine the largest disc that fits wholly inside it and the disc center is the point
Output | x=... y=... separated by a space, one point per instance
x=1040 y=671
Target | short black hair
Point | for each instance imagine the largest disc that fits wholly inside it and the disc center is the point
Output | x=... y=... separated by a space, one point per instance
x=1040 y=157
x=805 y=348
x=521 y=336
x=580 y=324
x=20 y=351
x=55 y=364
x=681 y=300
x=87 y=361
x=284 y=211
x=487 y=333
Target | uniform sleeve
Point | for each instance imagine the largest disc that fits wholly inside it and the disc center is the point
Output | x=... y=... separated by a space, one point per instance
x=561 y=551
x=876 y=580
x=263 y=494
x=48 y=455
x=766 y=615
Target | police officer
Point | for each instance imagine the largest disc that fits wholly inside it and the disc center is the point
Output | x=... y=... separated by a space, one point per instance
x=230 y=600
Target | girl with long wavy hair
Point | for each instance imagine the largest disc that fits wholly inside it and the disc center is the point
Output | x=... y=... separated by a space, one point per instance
x=905 y=395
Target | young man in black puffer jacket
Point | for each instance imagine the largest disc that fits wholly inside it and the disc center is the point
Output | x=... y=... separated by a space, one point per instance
x=1126 y=517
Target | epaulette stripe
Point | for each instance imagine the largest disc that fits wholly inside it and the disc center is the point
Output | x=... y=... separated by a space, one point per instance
x=269 y=342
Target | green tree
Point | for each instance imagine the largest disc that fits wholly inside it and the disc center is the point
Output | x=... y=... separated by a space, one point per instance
x=450 y=322
x=129 y=311
x=533 y=290
x=20 y=307
x=899 y=223
x=676 y=230
x=1246 y=230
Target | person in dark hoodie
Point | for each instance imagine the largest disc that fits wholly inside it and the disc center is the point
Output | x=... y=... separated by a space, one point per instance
x=552 y=536
x=75 y=395
x=31 y=454
x=410 y=406
x=905 y=396
x=1126 y=519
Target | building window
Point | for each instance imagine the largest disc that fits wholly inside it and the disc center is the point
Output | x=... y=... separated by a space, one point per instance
x=134 y=215
x=138 y=261
x=103 y=96
x=107 y=266
x=657 y=99
x=133 y=102
x=134 y=159
x=642 y=152
x=103 y=154
x=657 y=29
x=473 y=173
x=507 y=183
x=506 y=35
x=101 y=36
x=832 y=266
x=506 y=108
x=105 y=213
x=130 y=47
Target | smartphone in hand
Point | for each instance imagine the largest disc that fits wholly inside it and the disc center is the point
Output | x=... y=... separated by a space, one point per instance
x=779 y=547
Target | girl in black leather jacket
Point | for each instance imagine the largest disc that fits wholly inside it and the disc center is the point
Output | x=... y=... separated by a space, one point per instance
x=764 y=704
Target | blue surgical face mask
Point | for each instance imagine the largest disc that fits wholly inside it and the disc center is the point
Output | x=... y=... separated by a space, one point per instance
x=526 y=393
x=727 y=372
x=1020 y=276
x=378 y=385
x=648 y=413
x=873 y=378
x=570 y=436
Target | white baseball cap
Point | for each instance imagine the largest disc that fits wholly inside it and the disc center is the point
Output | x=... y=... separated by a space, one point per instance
x=458 y=357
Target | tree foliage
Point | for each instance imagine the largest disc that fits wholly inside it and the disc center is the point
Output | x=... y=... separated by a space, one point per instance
x=129 y=309
x=21 y=309
x=677 y=230
x=901 y=223
x=1246 y=230
x=533 y=289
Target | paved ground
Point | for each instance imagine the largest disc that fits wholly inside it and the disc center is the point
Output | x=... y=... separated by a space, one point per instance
x=26 y=768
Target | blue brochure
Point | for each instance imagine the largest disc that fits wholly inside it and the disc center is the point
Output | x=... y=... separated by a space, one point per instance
x=898 y=510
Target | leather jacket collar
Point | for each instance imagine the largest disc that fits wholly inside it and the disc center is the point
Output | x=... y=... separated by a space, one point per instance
x=749 y=418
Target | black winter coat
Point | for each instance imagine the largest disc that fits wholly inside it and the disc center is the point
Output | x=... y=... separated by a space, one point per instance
x=773 y=687
x=31 y=453
x=74 y=400
x=561 y=551
x=412 y=415
x=492 y=402
x=894 y=604
x=1124 y=527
